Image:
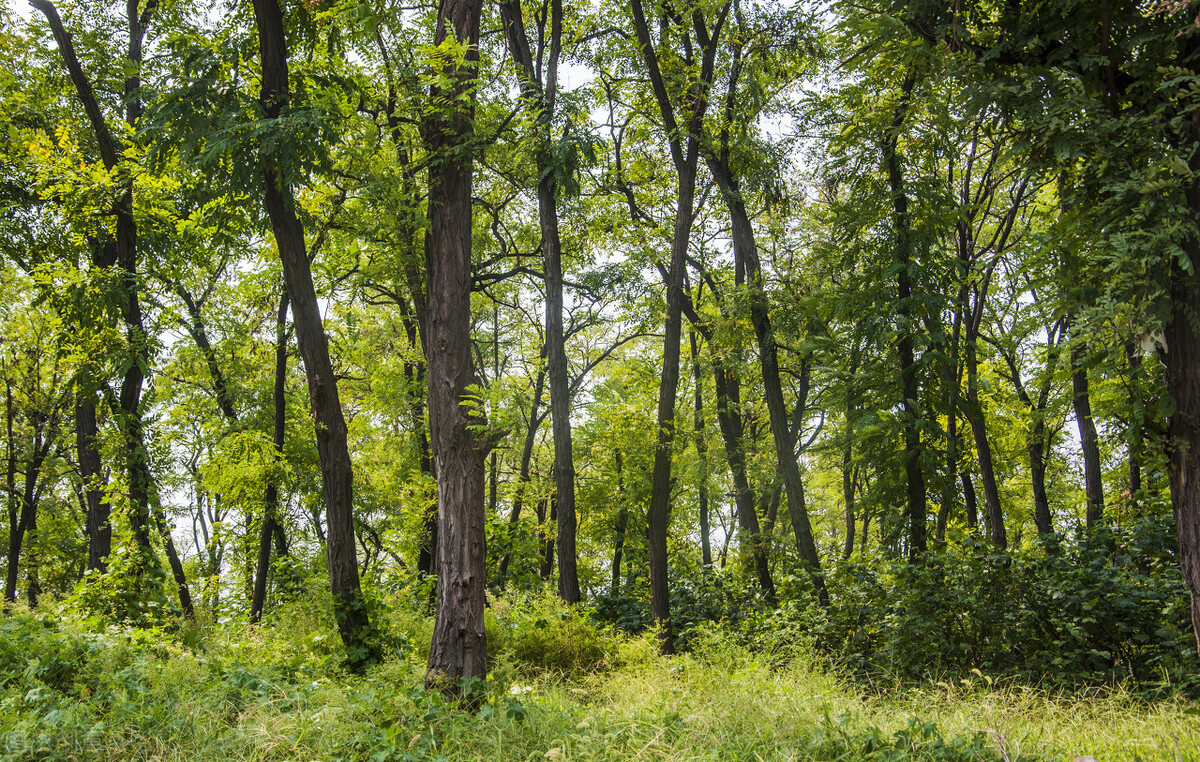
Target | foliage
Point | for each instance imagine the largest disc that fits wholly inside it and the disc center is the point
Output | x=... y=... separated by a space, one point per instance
x=106 y=692
x=1105 y=606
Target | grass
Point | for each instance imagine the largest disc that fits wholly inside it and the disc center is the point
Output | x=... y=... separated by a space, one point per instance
x=81 y=691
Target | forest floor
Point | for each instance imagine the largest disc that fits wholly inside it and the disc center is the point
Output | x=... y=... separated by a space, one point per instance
x=77 y=690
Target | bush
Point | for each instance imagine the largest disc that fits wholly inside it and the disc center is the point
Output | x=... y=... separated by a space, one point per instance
x=541 y=632
x=1107 y=606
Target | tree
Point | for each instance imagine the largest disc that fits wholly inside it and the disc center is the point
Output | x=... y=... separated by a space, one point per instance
x=337 y=475
x=458 y=434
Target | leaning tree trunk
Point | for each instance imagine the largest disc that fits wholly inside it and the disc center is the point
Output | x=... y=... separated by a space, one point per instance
x=459 y=649
x=332 y=449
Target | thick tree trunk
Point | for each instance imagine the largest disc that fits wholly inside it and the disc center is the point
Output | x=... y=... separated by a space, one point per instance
x=270 y=524
x=459 y=649
x=1088 y=438
x=1183 y=384
x=332 y=448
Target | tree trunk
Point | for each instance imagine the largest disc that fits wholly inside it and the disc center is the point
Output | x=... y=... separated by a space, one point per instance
x=535 y=420
x=123 y=254
x=969 y=499
x=1088 y=439
x=27 y=522
x=848 y=485
x=701 y=452
x=745 y=250
x=1183 y=384
x=973 y=410
x=458 y=652
x=619 y=528
x=1137 y=430
x=99 y=530
x=271 y=499
x=729 y=417
x=332 y=449
x=914 y=474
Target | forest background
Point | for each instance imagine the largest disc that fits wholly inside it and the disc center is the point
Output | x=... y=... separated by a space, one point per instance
x=851 y=348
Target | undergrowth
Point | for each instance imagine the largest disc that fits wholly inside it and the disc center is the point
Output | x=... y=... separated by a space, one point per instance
x=562 y=687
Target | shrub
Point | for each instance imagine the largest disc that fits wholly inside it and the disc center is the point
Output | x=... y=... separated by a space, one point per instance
x=1107 y=606
x=543 y=633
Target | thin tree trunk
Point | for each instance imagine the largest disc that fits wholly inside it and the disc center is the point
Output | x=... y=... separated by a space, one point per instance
x=619 y=528
x=332 y=449
x=745 y=250
x=535 y=420
x=1088 y=438
x=99 y=529
x=916 y=508
x=27 y=522
x=973 y=410
x=969 y=499
x=750 y=536
x=848 y=485
x=701 y=452
x=1137 y=432
x=270 y=524
x=124 y=255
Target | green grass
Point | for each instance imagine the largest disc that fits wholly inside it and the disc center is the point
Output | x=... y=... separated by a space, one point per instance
x=81 y=691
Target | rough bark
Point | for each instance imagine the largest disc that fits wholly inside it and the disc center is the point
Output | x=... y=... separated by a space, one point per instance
x=459 y=649
x=332 y=449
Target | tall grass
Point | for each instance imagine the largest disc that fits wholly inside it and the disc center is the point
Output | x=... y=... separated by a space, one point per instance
x=80 y=690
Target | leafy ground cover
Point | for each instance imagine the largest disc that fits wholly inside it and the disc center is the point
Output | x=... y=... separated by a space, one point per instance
x=562 y=688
